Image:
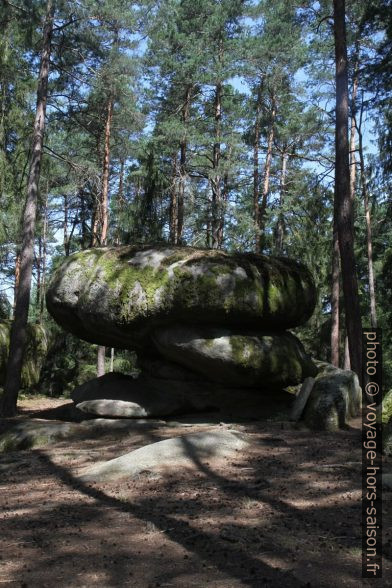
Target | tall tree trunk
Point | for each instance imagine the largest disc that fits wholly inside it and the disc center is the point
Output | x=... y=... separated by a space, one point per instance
x=225 y=198
x=335 y=295
x=174 y=202
x=256 y=175
x=365 y=196
x=266 y=175
x=105 y=210
x=44 y=256
x=18 y=330
x=346 y=364
x=101 y=351
x=280 y=228
x=183 y=174
x=16 y=281
x=343 y=203
x=65 y=230
x=120 y=200
x=216 y=188
x=353 y=159
x=105 y=174
x=39 y=263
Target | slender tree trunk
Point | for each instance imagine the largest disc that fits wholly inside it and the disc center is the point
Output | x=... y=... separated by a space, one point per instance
x=347 y=364
x=44 y=256
x=105 y=211
x=39 y=263
x=105 y=174
x=225 y=198
x=101 y=360
x=120 y=200
x=335 y=295
x=65 y=231
x=365 y=196
x=266 y=176
x=280 y=228
x=18 y=330
x=343 y=202
x=216 y=188
x=16 y=281
x=353 y=159
x=112 y=359
x=95 y=222
x=174 y=202
x=183 y=174
x=256 y=175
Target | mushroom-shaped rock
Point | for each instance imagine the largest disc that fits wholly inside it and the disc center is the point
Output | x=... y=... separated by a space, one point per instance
x=116 y=296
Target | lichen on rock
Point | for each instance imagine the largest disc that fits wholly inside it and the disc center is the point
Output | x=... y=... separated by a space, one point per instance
x=237 y=358
x=117 y=296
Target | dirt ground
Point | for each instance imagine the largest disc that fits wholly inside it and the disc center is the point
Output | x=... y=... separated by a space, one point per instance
x=285 y=512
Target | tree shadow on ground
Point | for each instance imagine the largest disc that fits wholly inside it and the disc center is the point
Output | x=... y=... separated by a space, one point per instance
x=193 y=530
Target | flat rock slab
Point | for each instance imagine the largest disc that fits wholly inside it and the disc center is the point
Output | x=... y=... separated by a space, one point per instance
x=170 y=454
x=243 y=358
x=38 y=433
x=115 y=296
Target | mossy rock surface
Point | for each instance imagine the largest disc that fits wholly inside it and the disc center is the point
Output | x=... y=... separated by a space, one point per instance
x=245 y=359
x=386 y=412
x=34 y=355
x=387 y=439
x=116 y=296
x=335 y=397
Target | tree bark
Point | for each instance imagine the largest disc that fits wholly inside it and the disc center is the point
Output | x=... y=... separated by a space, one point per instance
x=256 y=175
x=266 y=176
x=105 y=173
x=16 y=281
x=101 y=360
x=216 y=188
x=18 y=330
x=353 y=159
x=346 y=364
x=335 y=295
x=65 y=231
x=183 y=173
x=105 y=210
x=280 y=228
x=343 y=202
x=44 y=255
x=365 y=196
x=174 y=202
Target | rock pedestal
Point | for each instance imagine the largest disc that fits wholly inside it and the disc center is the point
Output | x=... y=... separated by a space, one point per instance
x=197 y=318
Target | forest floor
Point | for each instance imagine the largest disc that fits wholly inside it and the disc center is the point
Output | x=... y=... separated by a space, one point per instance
x=284 y=512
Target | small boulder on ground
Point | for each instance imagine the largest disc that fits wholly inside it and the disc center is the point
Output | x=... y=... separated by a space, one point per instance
x=336 y=396
x=119 y=395
x=184 y=451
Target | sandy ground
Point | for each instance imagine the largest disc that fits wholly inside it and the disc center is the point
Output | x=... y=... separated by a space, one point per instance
x=285 y=512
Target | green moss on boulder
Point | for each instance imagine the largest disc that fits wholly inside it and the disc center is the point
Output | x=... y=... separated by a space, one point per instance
x=335 y=397
x=117 y=296
x=245 y=359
